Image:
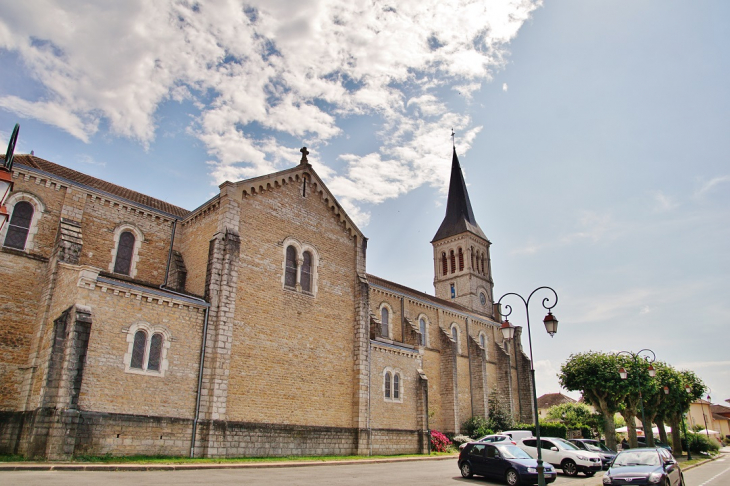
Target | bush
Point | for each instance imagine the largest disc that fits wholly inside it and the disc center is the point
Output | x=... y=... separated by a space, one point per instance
x=476 y=427
x=547 y=429
x=700 y=443
x=439 y=442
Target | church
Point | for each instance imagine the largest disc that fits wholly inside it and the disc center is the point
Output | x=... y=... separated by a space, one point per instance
x=247 y=326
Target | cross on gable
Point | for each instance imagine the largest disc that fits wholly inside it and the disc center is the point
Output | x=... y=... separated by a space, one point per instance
x=304 y=152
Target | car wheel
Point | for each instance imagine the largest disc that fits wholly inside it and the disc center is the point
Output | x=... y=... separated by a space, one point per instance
x=569 y=467
x=466 y=471
x=512 y=478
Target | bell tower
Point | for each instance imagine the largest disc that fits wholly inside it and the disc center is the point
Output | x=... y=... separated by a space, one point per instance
x=462 y=268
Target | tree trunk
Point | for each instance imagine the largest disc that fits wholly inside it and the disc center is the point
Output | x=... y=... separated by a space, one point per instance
x=676 y=438
x=609 y=428
x=628 y=416
x=648 y=430
x=662 y=430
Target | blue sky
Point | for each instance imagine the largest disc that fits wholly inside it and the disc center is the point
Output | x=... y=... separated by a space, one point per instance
x=593 y=137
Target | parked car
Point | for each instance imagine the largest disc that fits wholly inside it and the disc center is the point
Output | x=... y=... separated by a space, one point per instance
x=657 y=443
x=592 y=445
x=518 y=434
x=649 y=465
x=563 y=455
x=500 y=460
x=492 y=438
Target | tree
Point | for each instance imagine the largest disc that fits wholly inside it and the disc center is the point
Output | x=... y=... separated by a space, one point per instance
x=500 y=417
x=596 y=376
x=573 y=415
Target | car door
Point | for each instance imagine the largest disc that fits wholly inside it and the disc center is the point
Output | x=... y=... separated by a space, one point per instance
x=476 y=458
x=529 y=446
x=549 y=455
x=494 y=465
x=671 y=467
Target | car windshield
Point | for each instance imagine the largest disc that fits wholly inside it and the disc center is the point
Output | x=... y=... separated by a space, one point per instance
x=597 y=447
x=565 y=445
x=637 y=458
x=513 y=452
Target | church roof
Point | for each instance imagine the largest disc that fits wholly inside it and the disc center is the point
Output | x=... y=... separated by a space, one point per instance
x=98 y=184
x=459 y=215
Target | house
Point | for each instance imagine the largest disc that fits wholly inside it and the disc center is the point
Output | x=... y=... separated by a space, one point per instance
x=247 y=326
x=548 y=400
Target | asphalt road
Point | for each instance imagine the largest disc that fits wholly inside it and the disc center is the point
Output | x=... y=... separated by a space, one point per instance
x=421 y=473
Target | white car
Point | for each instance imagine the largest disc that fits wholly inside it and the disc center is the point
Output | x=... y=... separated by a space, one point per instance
x=564 y=455
x=499 y=438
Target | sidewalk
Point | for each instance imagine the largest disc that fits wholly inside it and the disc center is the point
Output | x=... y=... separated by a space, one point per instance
x=77 y=466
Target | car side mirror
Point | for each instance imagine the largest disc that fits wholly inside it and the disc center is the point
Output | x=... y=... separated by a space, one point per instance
x=554 y=449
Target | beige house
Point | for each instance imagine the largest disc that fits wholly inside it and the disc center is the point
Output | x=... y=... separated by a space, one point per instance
x=247 y=326
x=706 y=415
x=544 y=402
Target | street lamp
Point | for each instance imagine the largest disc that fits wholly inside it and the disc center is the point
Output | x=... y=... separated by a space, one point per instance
x=652 y=372
x=6 y=176
x=709 y=400
x=688 y=389
x=508 y=332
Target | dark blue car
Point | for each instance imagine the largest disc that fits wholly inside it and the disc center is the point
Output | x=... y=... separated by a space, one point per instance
x=501 y=461
x=650 y=466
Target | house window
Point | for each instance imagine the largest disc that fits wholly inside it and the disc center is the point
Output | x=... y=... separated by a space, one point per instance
x=300 y=267
x=307 y=272
x=125 y=251
x=19 y=225
x=384 y=322
x=147 y=352
x=422 y=328
x=461 y=260
x=290 y=277
x=387 y=384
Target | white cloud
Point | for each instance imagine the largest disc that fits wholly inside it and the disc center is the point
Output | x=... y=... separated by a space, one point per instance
x=663 y=202
x=505 y=87
x=711 y=184
x=591 y=226
x=266 y=69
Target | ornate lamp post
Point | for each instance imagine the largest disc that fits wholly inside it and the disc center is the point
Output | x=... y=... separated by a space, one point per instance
x=508 y=332
x=688 y=389
x=6 y=176
x=650 y=357
x=709 y=399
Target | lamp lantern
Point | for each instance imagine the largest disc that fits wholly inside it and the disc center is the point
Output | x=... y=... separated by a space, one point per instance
x=688 y=388
x=666 y=390
x=652 y=371
x=551 y=324
x=508 y=330
x=623 y=373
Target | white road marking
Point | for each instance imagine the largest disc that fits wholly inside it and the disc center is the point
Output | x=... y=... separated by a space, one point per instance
x=714 y=477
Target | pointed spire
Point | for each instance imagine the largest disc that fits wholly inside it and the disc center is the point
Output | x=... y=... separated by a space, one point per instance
x=459 y=215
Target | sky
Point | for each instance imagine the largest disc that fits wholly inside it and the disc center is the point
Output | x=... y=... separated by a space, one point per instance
x=593 y=137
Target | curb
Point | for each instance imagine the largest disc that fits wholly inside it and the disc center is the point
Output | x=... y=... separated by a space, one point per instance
x=190 y=467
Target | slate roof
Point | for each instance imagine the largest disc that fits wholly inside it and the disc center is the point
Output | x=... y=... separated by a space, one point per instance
x=720 y=409
x=551 y=399
x=98 y=184
x=459 y=215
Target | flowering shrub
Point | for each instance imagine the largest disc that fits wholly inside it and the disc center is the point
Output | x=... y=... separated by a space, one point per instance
x=439 y=442
x=461 y=439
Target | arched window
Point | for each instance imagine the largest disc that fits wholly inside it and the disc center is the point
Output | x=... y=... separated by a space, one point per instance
x=396 y=386
x=422 y=328
x=453 y=261
x=472 y=258
x=461 y=260
x=384 y=322
x=153 y=363
x=387 y=384
x=125 y=251
x=138 y=350
x=482 y=341
x=307 y=272
x=290 y=278
x=444 y=269
x=19 y=225
x=482 y=264
x=455 y=334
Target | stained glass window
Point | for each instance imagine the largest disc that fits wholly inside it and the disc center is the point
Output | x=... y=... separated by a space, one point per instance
x=19 y=225
x=385 y=322
x=387 y=385
x=306 y=282
x=396 y=386
x=140 y=343
x=422 y=328
x=155 y=352
x=290 y=277
x=125 y=250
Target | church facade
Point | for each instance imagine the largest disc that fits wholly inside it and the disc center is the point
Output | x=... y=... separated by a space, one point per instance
x=246 y=327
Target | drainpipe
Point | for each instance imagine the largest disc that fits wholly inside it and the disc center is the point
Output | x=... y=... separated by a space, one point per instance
x=200 y=383
x=370 y=387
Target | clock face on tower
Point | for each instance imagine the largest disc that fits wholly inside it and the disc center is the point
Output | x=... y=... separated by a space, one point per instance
x=483 y=298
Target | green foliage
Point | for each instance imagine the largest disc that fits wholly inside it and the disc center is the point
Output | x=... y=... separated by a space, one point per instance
x=476 y=427
x=547 y=429
x=573 y=415
x=700 y=443
x=596 y=376
x=586 y=432
x=499 y=415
